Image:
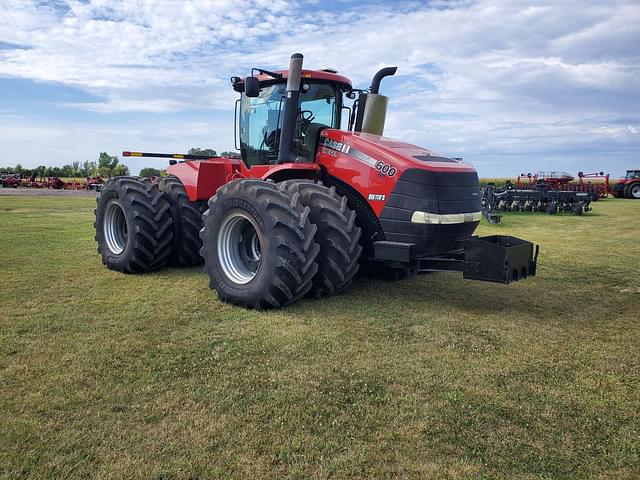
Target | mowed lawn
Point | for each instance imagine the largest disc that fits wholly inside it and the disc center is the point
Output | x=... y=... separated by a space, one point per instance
x=104 y=375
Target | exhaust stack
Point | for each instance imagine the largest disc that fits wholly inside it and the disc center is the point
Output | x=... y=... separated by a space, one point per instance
x=375 y=107
x=290 y=110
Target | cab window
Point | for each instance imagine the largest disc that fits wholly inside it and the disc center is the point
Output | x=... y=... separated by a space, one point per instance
x=319 y=104
x=259 y=125
x=261 y=121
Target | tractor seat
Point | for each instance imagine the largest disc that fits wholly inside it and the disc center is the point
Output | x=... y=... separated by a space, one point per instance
x=311 y=139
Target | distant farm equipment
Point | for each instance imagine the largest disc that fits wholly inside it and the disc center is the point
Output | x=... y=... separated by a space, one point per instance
x=595 y=184
x=9 y=180
x=544 y=192
x=94 y=183
x=14 y=180
x=538 y=198
x=627 y=187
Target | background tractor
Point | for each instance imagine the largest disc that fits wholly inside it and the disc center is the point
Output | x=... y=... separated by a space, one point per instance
x=9 y=180
x=629 y=186
x=307 y=204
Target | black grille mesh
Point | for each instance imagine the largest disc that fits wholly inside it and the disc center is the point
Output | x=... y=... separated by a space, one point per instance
x=433 y=192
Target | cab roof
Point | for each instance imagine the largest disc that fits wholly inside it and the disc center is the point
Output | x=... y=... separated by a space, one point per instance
x=317 y=75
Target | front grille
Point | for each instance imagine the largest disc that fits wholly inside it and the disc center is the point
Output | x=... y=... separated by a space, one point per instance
x=433 y=192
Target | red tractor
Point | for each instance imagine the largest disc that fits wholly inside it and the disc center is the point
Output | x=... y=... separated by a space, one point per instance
x=94 y=183
x=306 y=203
x=629 y=186
x=56 y=183
x=9 y=180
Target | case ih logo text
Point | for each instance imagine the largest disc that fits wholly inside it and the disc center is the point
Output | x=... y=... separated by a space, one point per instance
x=335 y=145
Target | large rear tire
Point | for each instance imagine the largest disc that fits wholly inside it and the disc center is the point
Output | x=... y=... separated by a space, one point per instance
x=337 y=235
x=258 y=245
x=134 y=227
x=187 y=222
x=633 y=191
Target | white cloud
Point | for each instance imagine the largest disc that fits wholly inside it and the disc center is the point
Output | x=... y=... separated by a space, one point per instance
x=476 y=78
x=37 y=142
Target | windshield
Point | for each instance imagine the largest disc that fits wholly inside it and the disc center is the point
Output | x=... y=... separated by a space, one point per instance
x=261 y=119
x=633 y=173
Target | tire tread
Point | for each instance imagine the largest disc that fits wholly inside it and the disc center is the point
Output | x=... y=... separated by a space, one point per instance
x=292 y=238
x=187 y=221
x=152 y=232
x=337 y=235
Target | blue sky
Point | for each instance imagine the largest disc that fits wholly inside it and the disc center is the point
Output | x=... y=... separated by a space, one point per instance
x=511 y=86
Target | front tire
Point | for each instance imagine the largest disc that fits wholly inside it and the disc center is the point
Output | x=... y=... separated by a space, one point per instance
x=337 y=235
x=258 y=245
x=134 y=228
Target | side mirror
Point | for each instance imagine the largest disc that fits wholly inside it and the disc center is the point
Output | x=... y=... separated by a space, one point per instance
x=251 y=87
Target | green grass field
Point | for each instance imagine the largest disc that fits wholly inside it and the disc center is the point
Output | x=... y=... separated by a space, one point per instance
x=104 y=375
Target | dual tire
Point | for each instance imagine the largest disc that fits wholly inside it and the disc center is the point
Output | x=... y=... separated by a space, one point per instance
x=142 y=226
x=134 y=226
x=187 y=222
x=267 y=245
x=337 y=235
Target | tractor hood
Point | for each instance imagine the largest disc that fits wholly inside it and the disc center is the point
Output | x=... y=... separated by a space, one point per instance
x=386 y=153
x=378 y=166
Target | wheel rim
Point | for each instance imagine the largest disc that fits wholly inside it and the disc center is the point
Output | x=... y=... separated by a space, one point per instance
x=239 y=248
x=115 y=228
x=635 y=191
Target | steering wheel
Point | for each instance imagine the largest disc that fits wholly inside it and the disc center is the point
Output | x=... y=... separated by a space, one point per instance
x=306 y=115
x=306 y=118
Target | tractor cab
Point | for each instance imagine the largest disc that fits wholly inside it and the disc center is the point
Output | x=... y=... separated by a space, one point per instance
x=632 y=174
x=260 y=113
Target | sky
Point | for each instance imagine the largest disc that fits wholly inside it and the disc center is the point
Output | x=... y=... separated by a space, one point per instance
x=510 y=86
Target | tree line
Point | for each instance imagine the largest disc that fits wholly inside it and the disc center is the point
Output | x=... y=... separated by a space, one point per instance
x=106 y=166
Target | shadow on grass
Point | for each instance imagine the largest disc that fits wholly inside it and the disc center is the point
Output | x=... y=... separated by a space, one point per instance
x=421 y=296
x=447 y=290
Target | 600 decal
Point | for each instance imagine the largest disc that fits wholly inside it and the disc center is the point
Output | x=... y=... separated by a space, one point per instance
x=335 y=148
x=385 y=168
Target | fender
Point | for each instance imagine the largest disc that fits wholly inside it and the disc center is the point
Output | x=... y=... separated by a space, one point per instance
x=202 y=178
x=280 y=172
